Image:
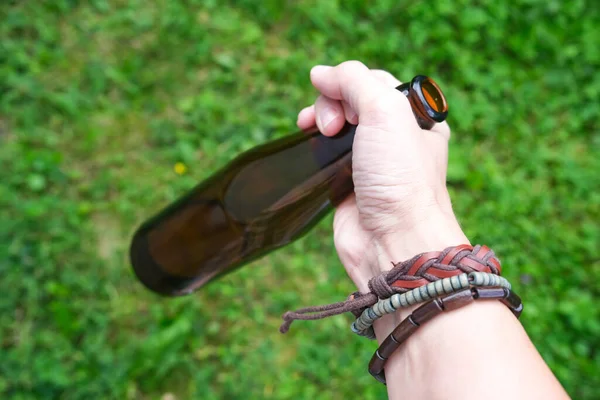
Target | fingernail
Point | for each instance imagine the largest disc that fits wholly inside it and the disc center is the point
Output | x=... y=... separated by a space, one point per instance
x=352 y=117
x=326 y=117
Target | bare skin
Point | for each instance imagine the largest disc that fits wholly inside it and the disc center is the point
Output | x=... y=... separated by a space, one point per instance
x=401 y=207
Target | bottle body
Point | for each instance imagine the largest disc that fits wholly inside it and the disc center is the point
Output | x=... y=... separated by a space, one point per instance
x=262 y=200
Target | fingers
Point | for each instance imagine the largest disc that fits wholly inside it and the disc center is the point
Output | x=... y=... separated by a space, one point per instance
x=328 y=108
x=330 y=115
x=386 y=78
x=306 y=118
x=349 y=113
x=365 y=93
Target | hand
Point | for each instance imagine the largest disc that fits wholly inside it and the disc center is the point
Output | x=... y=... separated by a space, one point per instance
x=401 y=206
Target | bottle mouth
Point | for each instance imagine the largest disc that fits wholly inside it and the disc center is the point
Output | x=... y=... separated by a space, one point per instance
x=431 y=97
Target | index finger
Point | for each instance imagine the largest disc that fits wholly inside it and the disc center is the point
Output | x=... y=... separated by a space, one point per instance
x=353 y=82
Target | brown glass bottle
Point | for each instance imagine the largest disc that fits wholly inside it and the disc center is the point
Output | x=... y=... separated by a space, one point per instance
x=262 y=200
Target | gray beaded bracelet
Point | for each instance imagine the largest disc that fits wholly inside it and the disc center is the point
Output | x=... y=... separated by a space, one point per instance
x=363 y=325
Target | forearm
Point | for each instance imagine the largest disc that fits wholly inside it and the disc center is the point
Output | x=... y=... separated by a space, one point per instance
x=479 y=351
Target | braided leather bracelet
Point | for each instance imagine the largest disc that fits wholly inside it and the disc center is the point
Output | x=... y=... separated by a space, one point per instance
x=407 y=275
x=431 y=309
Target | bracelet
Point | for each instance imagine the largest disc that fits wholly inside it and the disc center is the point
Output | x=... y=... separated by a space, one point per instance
x=434 y=265
x=431 y=309
x=364 y=323
x=403 y=277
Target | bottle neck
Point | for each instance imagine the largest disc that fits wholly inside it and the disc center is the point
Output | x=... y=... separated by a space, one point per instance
x=423 y=119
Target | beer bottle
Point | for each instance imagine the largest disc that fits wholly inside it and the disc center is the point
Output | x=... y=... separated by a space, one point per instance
x=264 y=199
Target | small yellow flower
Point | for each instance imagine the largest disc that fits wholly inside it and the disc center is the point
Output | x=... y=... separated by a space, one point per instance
x=179 y=168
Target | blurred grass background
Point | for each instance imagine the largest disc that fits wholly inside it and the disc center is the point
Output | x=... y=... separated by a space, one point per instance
x=100 y=99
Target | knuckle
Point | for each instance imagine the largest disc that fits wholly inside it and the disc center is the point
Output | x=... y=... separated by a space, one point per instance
x=352 y=67
x=386 y=76
x=388 y=103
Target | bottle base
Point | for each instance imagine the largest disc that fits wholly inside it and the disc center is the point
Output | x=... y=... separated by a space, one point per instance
x=151 y=274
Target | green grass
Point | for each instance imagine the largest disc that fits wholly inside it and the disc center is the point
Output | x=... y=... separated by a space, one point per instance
x=99 y=99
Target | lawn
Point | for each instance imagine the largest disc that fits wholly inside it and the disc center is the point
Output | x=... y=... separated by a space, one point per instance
x=99 y=100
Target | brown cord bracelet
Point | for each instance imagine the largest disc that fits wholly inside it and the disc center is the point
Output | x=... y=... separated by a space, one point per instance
x=420 y=270
x=425 y=276
x=431 y=309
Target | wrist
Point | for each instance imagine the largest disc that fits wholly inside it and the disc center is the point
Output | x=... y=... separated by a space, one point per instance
x=433 y=232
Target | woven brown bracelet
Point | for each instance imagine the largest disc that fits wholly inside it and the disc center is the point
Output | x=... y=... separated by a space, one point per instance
x=404 y=276
x=434 y=265
x=428 y=311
